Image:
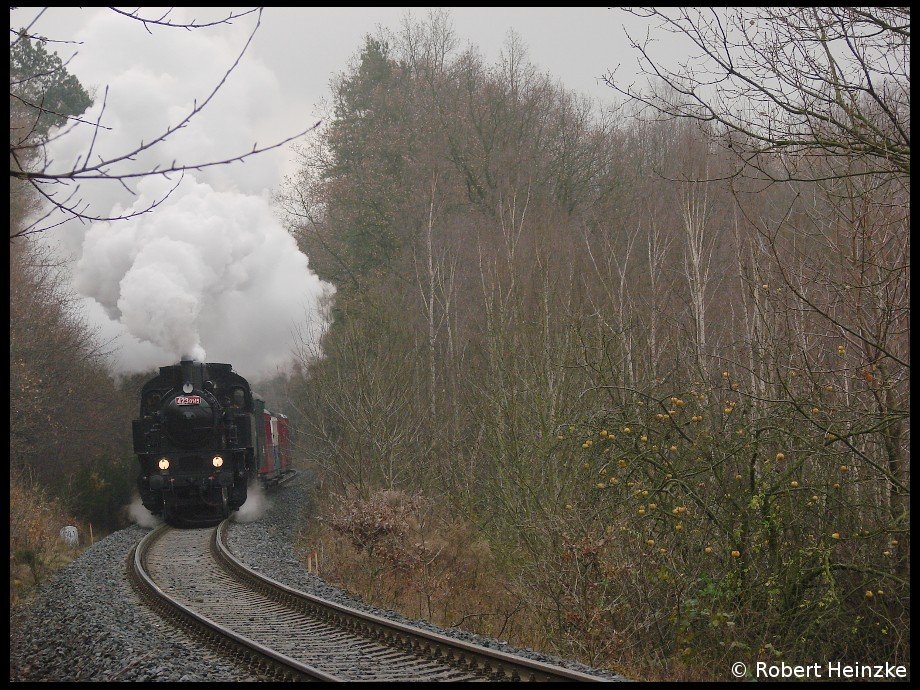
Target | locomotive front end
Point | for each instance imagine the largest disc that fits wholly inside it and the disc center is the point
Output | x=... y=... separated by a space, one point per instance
x=193 y=442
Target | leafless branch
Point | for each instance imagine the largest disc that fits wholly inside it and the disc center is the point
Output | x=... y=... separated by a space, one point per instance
x=111 y=168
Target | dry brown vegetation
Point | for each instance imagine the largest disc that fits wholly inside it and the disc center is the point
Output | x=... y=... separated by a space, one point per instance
x=660 y=368
x=69 y=422
x=406 y=553
x=36 y=548
x=70 y=458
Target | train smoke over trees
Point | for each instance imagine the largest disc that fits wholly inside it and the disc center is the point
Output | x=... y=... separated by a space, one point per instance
x=211 y=272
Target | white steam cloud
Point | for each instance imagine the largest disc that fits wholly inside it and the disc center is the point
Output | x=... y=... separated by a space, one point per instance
x=140 y=515
x=210 y=272
x=255 y=506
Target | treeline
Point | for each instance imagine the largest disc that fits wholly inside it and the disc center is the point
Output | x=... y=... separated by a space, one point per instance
x=672 y=398
x=69 y=422
x=70 y=456
x=70 y=448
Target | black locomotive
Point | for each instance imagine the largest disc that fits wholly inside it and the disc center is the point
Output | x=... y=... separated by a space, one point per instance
x=196 y=442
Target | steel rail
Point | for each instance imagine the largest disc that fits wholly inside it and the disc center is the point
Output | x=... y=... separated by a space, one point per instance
x=489 y=662
x=297 y=668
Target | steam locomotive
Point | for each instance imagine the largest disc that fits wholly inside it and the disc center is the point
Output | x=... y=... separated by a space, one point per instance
x=201 y=438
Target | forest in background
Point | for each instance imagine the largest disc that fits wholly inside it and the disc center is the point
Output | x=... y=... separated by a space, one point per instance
x=71 y=459
x=630 y=386
x=651 y=366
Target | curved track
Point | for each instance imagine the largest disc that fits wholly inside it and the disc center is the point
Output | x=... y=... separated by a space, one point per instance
x=192 y=576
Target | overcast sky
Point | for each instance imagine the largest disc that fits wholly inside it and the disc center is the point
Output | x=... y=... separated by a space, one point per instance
x=304 y=48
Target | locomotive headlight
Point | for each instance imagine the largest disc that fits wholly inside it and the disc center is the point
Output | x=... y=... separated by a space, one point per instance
x=163 y=464
x=217 y=461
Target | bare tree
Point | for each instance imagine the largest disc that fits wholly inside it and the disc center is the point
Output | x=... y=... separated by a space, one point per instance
x=59 y=183
x=428 y=291
x=658 y=247
x=827 y=82
x=695 y=211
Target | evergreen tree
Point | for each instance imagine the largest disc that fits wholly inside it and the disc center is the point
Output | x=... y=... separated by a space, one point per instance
x=43 y=94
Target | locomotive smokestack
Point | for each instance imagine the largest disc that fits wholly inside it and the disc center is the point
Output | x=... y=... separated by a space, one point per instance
x=191 y=374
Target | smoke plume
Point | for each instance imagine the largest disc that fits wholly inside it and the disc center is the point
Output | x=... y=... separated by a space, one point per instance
x=210 y=272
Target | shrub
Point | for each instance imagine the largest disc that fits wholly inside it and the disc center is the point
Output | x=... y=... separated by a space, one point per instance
x=36 y=549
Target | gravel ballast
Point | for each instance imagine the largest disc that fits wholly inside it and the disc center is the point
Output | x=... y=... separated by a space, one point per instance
x=88 y=624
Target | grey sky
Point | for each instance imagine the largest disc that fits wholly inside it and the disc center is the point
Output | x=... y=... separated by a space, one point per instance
x=305 y=47
x=577 y=45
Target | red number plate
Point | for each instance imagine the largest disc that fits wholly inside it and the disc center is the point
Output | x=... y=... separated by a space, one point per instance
x=188 y=400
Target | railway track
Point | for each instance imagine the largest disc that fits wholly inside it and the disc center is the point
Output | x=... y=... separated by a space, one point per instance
x=193 y=578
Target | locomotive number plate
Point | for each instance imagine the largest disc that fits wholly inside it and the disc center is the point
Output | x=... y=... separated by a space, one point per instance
x=188 y=400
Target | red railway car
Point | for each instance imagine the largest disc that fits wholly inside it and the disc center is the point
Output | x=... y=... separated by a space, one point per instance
x=273 y=450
